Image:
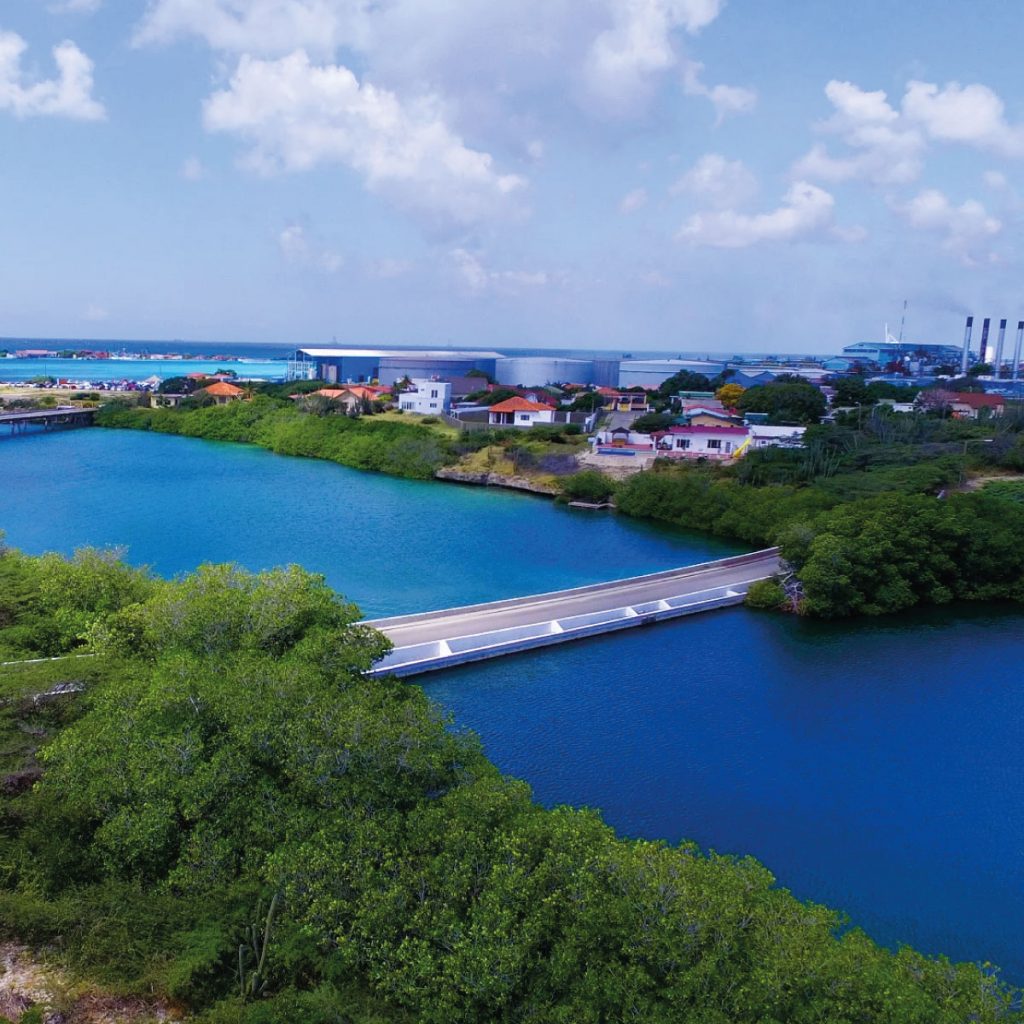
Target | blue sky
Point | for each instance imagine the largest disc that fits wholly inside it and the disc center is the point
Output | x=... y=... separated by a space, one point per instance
x=622 y=174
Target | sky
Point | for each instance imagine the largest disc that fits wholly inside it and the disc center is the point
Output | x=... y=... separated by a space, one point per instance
x=672 y=175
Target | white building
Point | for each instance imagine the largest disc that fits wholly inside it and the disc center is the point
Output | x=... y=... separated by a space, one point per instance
x=518 y=412
x=429 y=397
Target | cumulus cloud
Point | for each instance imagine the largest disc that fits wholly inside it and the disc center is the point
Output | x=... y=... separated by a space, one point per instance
x=297 y=115
x=806 y=210
x=718 y=182
x=77 y=6
x=966 y=229
x=261 y=27
x=299 y=251
x=633 y=201
x=624 y=58
x=971 y=114
x=888 y=144
x=726 y=99
x=478 y=278
x=887 y=150
x=68 y=95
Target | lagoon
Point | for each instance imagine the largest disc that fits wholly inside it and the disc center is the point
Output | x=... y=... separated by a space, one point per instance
x=875 y=766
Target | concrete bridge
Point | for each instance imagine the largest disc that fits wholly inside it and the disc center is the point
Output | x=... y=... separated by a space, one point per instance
x=61 y=418
x=455 y=636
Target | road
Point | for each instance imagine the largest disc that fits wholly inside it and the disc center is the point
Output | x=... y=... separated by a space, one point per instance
x=407 y=630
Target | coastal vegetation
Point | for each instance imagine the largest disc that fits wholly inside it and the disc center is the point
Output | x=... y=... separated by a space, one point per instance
x=218 y=808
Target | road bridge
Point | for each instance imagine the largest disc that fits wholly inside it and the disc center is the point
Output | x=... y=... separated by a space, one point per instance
x=61 y=418
x=441 y=639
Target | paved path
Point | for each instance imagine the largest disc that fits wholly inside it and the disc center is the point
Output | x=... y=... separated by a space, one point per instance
x=582 y=611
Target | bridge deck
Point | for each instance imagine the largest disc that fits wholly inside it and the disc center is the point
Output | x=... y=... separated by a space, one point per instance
x=436 y=640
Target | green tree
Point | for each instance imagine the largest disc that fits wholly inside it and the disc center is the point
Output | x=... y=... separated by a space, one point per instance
x=786 y=400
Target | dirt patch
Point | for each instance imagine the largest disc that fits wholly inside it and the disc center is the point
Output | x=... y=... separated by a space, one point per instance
x=978 y=482
x=27 y=982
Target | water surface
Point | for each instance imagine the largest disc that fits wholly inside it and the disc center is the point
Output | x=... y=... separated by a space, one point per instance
x=875 y=766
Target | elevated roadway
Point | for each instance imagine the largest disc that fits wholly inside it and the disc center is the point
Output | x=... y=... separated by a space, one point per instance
x=441 y=639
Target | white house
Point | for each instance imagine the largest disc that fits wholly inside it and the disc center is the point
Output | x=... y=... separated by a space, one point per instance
x=518 y=412
x=700 y=442
x=427 y=397
x=763 y=436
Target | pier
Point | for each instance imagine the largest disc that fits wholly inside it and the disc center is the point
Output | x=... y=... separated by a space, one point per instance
x=64 y=417
x=437 y=640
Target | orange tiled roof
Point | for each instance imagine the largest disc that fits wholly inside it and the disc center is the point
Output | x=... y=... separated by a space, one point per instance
x=224 y=390
x=519 y=405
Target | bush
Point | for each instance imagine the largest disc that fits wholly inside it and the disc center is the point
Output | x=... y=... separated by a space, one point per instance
x=588 y=485
x=766 y=595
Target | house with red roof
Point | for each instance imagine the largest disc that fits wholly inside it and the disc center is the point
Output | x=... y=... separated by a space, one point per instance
x=519 y=412
x=222 y=392
x=966 y=405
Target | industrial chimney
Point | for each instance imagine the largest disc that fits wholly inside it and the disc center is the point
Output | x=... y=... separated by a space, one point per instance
x=984 y=338
x=966 y=357
x=1016 y=349
x=999 y=346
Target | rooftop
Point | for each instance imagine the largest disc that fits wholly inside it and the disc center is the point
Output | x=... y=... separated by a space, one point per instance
x=395 y=353
x=519 y=405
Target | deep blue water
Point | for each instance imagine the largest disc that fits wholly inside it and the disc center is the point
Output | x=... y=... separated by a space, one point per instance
x=875 y=766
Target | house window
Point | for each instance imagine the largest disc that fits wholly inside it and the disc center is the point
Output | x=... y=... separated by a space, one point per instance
x=433 y=405
x=714 y=442
x=433 y=394
x=683 y=442
x=524 y=417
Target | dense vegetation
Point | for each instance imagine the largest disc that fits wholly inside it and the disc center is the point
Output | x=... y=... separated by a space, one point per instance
x=869 y=519
x=233 y=815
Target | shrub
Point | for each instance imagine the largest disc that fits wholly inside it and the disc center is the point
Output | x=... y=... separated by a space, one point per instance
x=766 y=595
x=588 y=485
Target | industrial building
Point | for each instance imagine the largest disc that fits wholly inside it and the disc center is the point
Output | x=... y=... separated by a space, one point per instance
x=340 y=365
x=884 y=352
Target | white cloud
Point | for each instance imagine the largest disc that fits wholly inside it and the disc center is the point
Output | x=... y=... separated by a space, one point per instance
x=94 y=313
x=260 y=27
x=887 y=150
x=633 y=201
x=77 y=6
x=478 y=278
x=297 y=115
x=67 y=95
x=192 y=169
x=966 y=228
x=996 y=180
x=888 y=145
x=389 y=268
x=971 y=114
x=299 y=251
x=718 y=182
x=806 y=211
x=726 y=99
x=624 y=59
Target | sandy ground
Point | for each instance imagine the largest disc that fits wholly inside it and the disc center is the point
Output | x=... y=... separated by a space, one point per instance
x=26 y=982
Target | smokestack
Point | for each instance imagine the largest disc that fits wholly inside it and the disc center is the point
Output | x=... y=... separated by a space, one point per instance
x=984 y=339
x=1016 y=349
x=999 y=346
x=966 y=357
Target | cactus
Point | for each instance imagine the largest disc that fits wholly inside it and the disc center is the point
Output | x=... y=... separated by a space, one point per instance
x=255 y=948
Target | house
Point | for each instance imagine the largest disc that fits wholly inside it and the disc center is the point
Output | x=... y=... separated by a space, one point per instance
x=519 y=412
x=963 y=405
x=692 y=442
x=623 y=437
x=222 y=392
x=427 y=397
x=706 y=414
x=624 y=401
x=763 y=436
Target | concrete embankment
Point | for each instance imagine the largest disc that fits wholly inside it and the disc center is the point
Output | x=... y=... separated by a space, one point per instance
x=514 y=483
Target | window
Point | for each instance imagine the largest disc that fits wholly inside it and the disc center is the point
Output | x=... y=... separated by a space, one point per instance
x=433 y=405
x=714 y=442
x=524 y=417
x=433 y=394
x=683 y=443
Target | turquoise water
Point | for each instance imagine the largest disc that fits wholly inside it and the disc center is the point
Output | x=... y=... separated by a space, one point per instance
x=390 y=545
x=874 y=766
x=97 y=370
